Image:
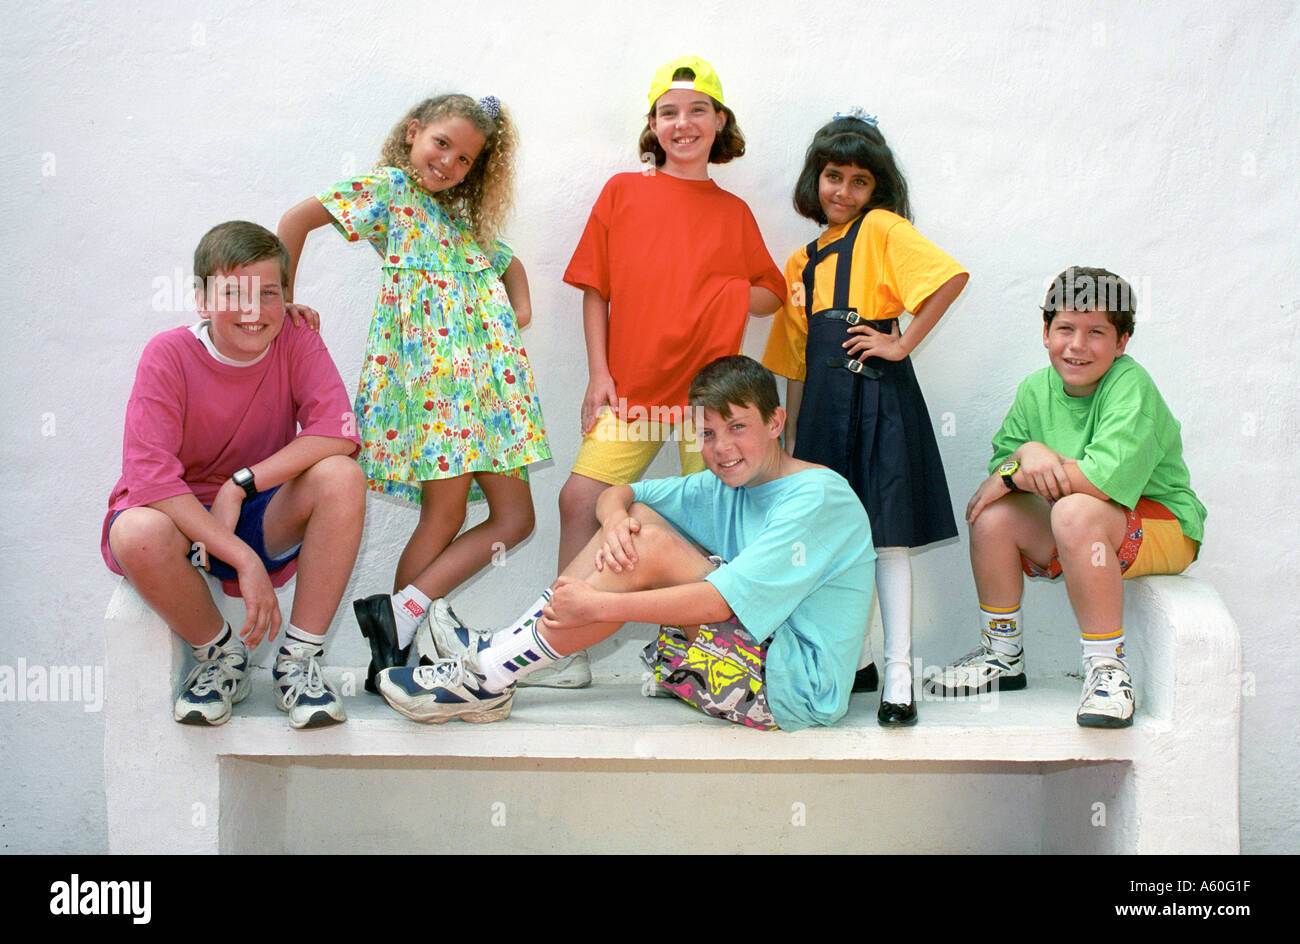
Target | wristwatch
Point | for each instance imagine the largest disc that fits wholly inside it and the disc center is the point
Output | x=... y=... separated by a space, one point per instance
x=1008 y=469
x=244 y=479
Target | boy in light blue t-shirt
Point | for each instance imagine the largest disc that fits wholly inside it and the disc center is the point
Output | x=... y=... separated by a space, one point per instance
x=771 y=626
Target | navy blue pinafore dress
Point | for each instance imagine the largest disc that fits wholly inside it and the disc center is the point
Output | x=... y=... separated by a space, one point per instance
x=867 y=419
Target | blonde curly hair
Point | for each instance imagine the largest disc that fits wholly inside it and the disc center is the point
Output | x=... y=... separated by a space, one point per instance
x=484 y=198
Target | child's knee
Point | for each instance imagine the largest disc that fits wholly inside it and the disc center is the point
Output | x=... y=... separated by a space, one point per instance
x=341 y=478
x=146 y=537
x=1079 y=521
x=578 y=498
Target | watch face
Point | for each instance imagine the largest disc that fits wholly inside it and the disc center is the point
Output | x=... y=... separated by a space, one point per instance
x=1008 y=467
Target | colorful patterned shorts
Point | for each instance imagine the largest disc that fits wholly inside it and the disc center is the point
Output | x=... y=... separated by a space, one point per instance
x=721 y=673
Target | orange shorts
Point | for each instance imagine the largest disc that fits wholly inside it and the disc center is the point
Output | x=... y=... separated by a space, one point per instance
x=1153 y=543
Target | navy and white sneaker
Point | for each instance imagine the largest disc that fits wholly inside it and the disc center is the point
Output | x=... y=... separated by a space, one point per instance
x=978 y=672
x=301 y=689
x=219 y=682
x=447 y=689
x=444 y=636
x=1107 y=700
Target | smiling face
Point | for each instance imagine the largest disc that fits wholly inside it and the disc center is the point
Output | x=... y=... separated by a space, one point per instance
x=686 y=123
x=443 y=150
x=246 y=307
x=1081 y=346
x=741 y=449
x=844 y=190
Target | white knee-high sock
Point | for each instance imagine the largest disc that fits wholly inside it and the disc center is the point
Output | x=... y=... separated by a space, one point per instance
x=894 y=588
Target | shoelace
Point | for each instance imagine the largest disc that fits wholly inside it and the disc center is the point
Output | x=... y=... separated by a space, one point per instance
x=302 y=676
x=444 y=672
x=215 y=672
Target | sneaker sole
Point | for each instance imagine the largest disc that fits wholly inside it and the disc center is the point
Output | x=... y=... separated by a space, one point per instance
x=1005 y=683
x=318 y=719
x=1103 y=721
x=199 y=719
x=498 y=712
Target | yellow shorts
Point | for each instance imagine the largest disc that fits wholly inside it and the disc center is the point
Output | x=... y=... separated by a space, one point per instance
x=617 y=451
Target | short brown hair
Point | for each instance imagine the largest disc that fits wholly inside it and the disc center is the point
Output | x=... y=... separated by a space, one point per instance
x=238 y=243
x=727 y=146
x=1080 y=288
x=734 y=381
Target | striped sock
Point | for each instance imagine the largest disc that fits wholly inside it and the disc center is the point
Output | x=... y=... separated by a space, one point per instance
x=516 y=650
x=1001 y=628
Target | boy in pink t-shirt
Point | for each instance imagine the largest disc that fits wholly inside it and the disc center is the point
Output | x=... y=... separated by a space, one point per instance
x=237 y=458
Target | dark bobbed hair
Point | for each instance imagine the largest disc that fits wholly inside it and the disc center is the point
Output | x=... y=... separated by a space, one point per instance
x=727 y=146
x=1081 y=288
x=851 y=141
x=238 y=243
x=734 y=381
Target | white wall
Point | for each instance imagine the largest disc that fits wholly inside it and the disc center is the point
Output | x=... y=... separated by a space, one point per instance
x=1159 y=142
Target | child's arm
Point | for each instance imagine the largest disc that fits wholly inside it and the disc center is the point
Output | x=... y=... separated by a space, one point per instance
x=763 y=301
x=575 y=603
x=793 y=400
x=1043 y=471
x=294 y=227
x=515 y=279
x=895 y=346
x=600 y=388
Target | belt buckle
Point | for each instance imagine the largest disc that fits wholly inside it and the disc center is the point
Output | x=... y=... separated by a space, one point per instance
x=853 y=366
x=853 y=317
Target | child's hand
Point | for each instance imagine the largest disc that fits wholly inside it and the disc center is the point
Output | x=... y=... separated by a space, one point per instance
x=302 y=315
x=1044 y=470
x=574 y=603
x=263 y=609
x=872 y=343
x=600 y=393
x=618 y=552
x=990 y=490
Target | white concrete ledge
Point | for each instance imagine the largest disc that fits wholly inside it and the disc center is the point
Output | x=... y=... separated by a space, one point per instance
x=1174 y=781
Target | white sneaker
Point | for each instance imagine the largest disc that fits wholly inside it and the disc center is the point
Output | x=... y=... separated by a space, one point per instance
x=301 y=689
x=1107 y=700
x=977 y=672
x=573 y=671
x=444 y=636
x=219 y=682
x=446 y=689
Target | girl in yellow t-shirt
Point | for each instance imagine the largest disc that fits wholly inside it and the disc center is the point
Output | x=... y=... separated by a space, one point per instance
x=852 y=396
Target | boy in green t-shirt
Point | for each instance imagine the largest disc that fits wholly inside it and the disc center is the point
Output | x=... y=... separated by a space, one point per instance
x=1087 y=480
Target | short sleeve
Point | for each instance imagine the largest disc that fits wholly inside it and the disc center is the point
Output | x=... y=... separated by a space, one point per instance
x=360 y=206
x=763 y=272
x=1014 y=431
x=589 y=267
x=321 y=404
x=768 y=580
x=154 y=430
x=1126 y=445
x=787 y=344
x=500 y=256
x=914 y=267
x=684 y=502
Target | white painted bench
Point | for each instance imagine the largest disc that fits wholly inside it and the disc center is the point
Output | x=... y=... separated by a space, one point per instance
x=605 y=769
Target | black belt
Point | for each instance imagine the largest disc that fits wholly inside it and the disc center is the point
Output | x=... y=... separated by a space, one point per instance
x=855 y=367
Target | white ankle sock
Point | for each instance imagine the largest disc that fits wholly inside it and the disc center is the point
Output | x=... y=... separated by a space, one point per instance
x=294 y=634
x=1109 y=646
x=409 y=608
x=894 y=588
x=516 y=650
x=1000 y=626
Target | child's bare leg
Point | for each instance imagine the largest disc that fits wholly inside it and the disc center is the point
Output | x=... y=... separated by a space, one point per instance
x=664 y=559
x=578 y=520
x=509 y=521
x=324 y=508
x=1004 y=530
x=1088 y=533
x=152 y=554
x=442 y=514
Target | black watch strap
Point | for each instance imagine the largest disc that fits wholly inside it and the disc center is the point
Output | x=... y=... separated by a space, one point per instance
x=244 y=479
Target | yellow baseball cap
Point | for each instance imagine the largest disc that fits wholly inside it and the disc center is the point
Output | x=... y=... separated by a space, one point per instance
x=706 y=80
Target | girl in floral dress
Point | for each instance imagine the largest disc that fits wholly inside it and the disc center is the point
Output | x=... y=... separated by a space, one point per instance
x=446 y=398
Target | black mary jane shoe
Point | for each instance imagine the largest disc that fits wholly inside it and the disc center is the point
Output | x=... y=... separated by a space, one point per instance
x=893 y=715
x=867 y=679
x=375 y=617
